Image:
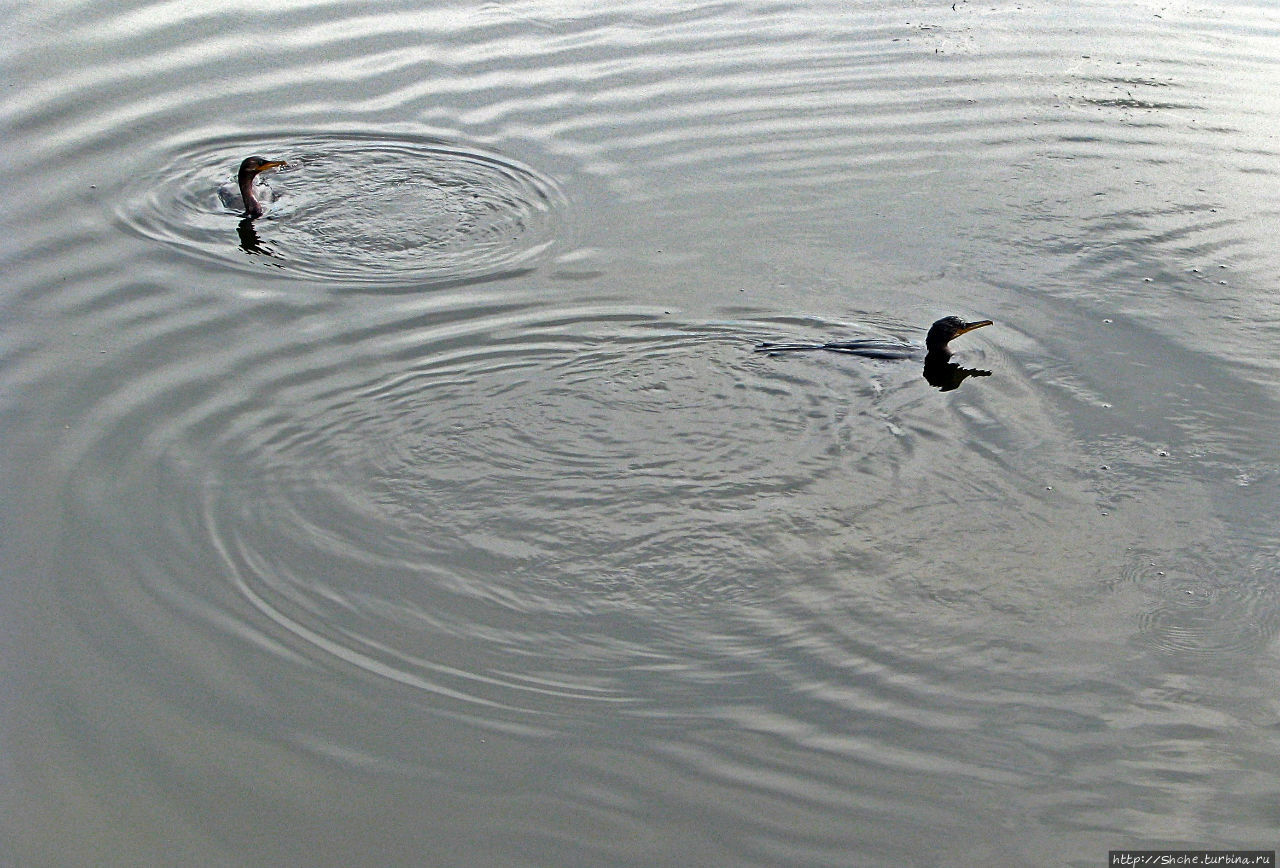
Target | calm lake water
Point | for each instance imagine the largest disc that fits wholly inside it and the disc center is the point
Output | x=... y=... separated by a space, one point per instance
x=446 y=515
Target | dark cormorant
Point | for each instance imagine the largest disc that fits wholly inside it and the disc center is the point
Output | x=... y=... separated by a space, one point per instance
x=246 y=195
x=939 y=370
x=947 y=329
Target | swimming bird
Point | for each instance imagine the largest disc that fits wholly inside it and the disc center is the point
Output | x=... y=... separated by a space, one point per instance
x=248 y=194
x=939 y=370
x=941 y=333
x=947 y=329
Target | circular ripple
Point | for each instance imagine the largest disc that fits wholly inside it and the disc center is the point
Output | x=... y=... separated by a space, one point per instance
x=509 y=510
x=352 y=208
x=1211 y=621
x=575 y=497
x=1204 y=632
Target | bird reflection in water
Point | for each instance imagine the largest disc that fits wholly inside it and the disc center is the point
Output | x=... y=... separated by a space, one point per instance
x=939 y=370
x=250 y=242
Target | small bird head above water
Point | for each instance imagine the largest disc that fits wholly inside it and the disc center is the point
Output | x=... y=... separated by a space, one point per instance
x=253 y=165
x=249 y=170
x=948 y=329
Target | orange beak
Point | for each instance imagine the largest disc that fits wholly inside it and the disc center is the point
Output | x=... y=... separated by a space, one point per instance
x=970 y=326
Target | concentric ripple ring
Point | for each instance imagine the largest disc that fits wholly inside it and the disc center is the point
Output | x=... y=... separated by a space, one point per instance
x=396 y=211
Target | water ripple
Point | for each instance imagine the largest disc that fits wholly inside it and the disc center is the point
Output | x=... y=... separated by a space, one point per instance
x=796 y=598
x=508 y=509
x=400 y=212
x=537 y=493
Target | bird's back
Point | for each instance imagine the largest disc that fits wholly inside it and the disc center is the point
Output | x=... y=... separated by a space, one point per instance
x=869 y=348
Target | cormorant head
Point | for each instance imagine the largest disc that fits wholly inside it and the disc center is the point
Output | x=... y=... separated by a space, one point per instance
x=253 y=165
x=947 y=329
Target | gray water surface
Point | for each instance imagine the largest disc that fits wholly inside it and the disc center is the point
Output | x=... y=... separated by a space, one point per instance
x=446 y=515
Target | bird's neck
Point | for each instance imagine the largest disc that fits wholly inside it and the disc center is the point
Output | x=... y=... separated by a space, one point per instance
x=252 y=206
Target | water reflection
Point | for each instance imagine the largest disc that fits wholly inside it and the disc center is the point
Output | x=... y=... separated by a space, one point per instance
x=250 y=241
x=944 y=374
